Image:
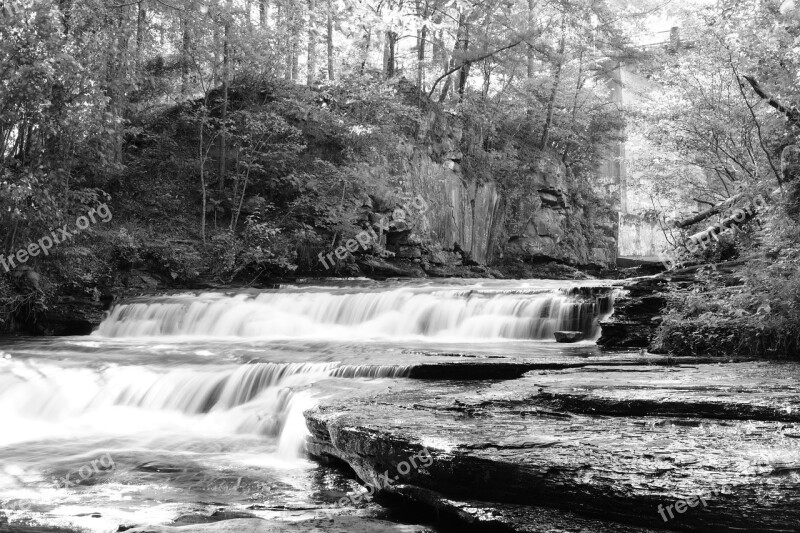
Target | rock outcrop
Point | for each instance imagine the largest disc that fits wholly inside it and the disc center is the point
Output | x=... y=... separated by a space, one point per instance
x=636 y=316
x=491 y=219
x=598 y=448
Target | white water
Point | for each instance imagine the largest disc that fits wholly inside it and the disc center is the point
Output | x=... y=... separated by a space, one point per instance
x=40 y=399
x=215 y=385
x=391 y=314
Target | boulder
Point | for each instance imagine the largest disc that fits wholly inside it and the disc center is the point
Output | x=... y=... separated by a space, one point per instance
x=568 y=336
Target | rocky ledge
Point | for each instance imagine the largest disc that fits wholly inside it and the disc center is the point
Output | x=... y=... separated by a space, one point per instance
x=597 y=448
x=636 y=316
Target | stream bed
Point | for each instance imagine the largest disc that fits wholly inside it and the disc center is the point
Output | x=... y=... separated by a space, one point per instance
x=188 y=408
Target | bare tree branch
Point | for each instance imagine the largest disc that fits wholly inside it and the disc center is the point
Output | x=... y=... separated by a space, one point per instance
x=472 y=60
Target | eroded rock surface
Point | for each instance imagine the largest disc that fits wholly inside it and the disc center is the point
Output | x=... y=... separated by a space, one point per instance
x=607 y=444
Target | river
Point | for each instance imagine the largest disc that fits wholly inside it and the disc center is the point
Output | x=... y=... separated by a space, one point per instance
x=180 y=404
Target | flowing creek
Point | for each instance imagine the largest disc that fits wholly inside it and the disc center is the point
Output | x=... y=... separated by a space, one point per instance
x=192 y=401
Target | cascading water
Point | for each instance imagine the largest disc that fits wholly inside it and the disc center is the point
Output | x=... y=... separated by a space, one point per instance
x=399 y=313
x=213 y=386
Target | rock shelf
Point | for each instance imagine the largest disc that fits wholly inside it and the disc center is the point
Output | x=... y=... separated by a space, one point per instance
x=585 y=448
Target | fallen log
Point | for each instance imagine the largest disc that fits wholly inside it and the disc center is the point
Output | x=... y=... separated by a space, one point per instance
x=731 y=223
x=699 y=217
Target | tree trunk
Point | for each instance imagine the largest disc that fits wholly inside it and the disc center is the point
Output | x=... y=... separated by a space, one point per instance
x=578 y=87
x=311 y=75
x=296 y=56
x=65 y=7
x=422 y=36
x=447 y=63
x=294 y=43
x=531 y=23
x=288 y=21
x=530 y=64
x=487 y=77
x=329 y=40
x=263 y=13
x=215 y=66
x=556 y=79
x=367 y=44
x=699 y=217
x=391 y=42
x=185 y=45
x=455 y=61
x=223 y=141
x=141 y=21
x=203 y=172
x=463 y=73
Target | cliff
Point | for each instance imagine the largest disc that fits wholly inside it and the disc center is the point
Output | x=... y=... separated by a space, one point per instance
x=504 y=208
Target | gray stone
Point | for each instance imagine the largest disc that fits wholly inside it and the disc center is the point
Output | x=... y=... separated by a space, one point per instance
x=568 y=336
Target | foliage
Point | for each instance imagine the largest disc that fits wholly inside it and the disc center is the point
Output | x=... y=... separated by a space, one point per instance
x=755 y=312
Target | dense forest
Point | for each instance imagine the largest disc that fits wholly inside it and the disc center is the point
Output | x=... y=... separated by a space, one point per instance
x=204 y=144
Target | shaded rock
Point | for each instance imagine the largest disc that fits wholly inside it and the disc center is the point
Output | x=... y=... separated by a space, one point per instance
x=408 y=252
x=553 y=198
x=380 y=267
x=636 y=315
x=72 y=316
x=568 y=336
x=491 y=516
x=541 y=270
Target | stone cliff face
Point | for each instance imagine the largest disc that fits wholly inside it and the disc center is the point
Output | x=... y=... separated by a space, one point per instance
x=461 y=212
x=539 y=218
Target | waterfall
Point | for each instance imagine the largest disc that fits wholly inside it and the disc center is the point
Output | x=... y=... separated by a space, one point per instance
x=336 y=314
x=262 y=399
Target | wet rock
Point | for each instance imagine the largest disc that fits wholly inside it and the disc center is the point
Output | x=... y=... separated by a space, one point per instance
x=636 y=316
x=510 y=446
x=568 y=336
x=489 y=516
x=734 y=391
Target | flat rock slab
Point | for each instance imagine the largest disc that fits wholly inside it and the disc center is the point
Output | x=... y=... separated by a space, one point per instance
x=502 y=443
x=340 y=524
x=460 y=367
x=743 y=391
